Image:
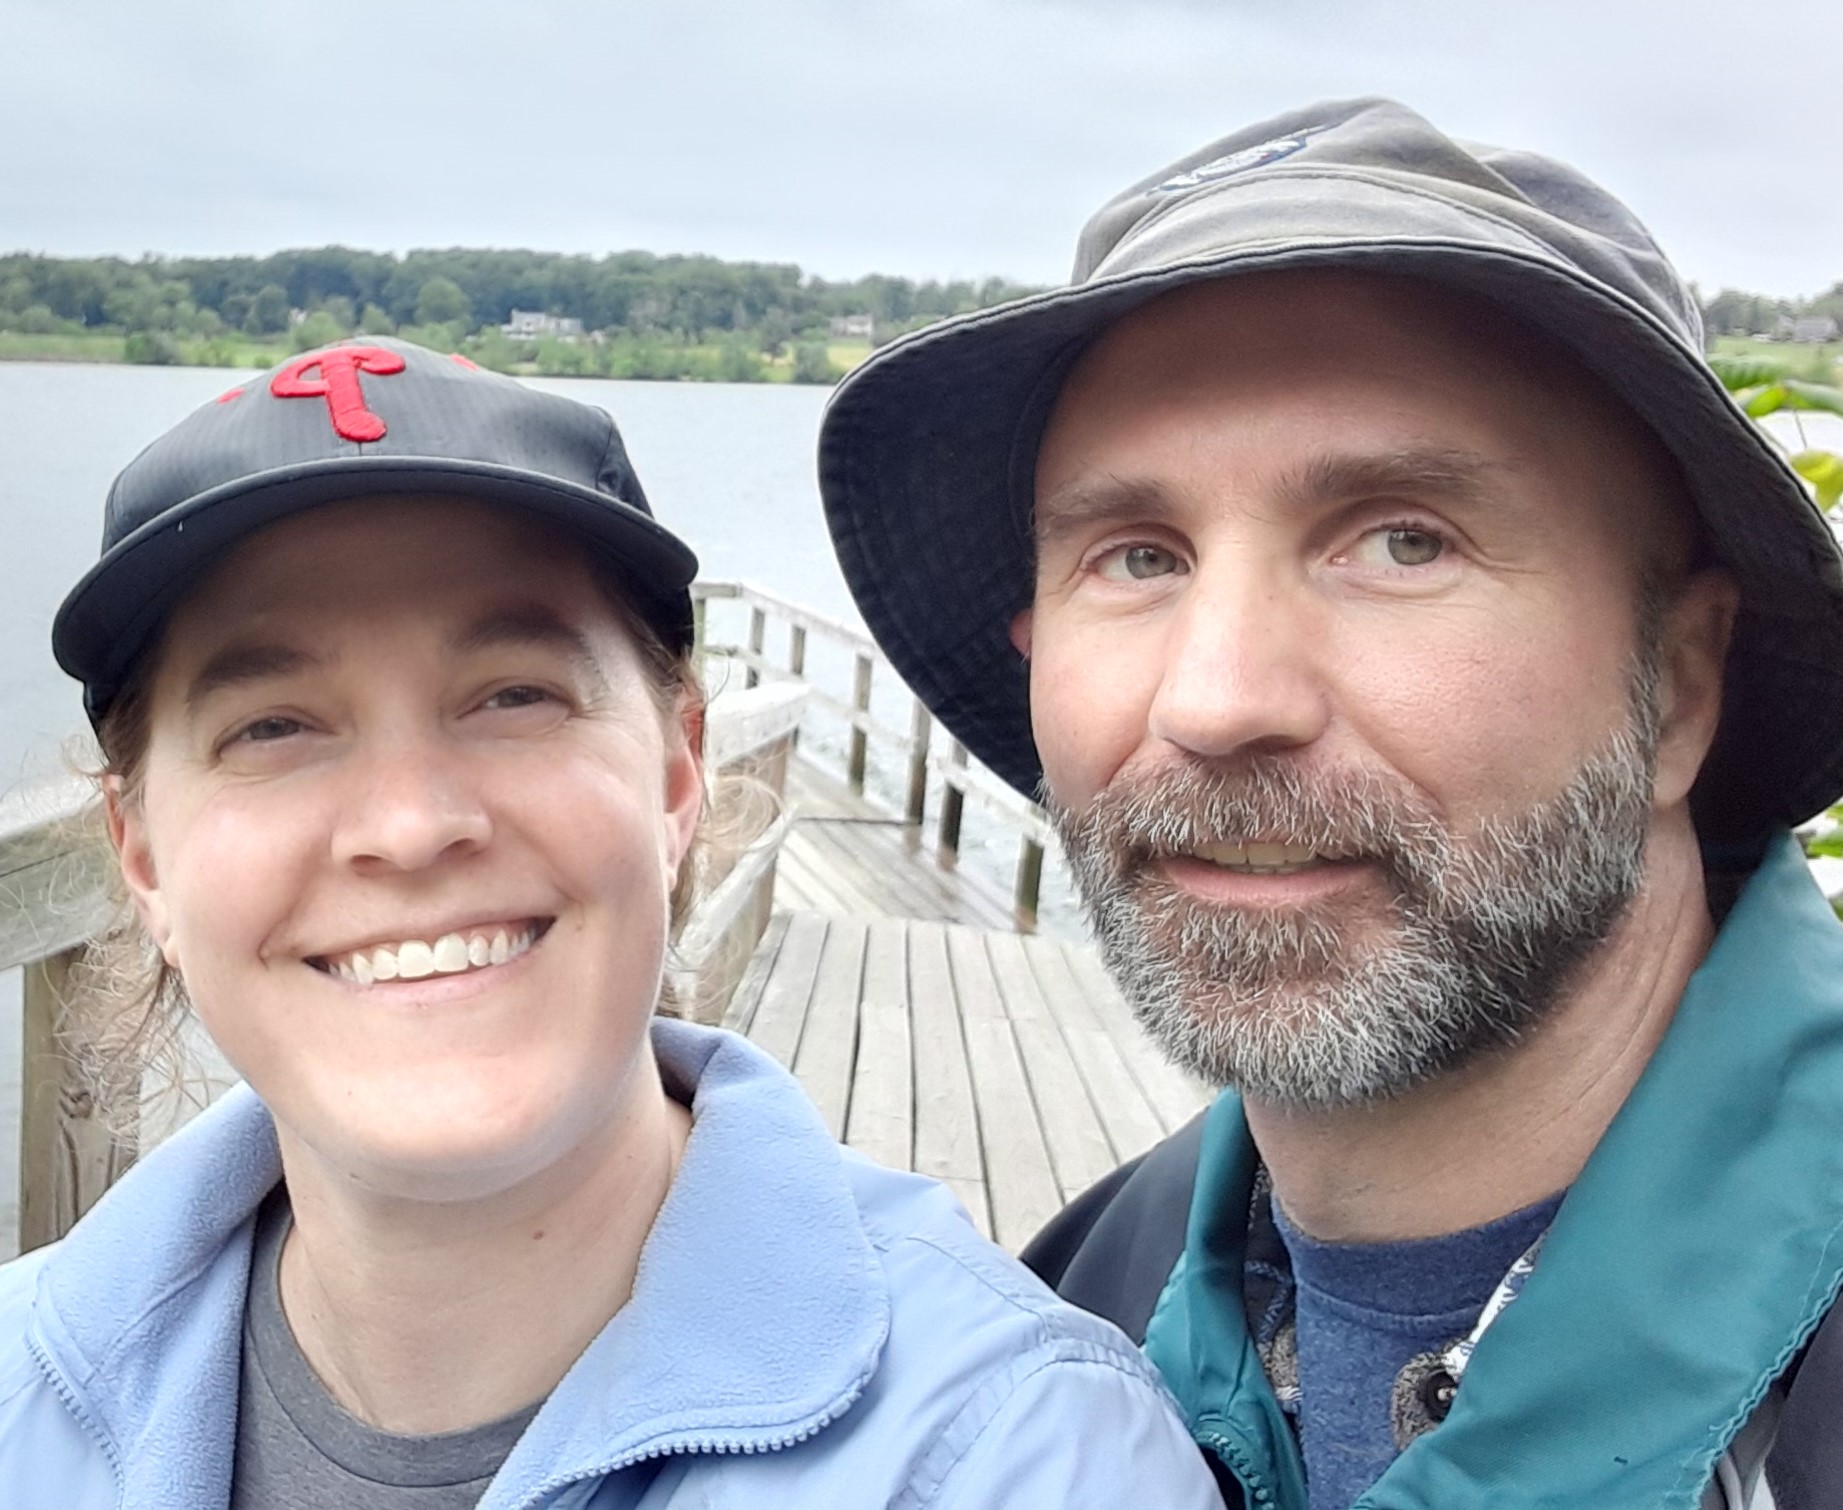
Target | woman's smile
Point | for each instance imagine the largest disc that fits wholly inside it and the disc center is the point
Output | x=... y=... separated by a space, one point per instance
x=453 y=952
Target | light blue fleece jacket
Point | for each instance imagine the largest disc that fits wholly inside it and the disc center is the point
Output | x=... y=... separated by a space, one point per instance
x=806 y=1329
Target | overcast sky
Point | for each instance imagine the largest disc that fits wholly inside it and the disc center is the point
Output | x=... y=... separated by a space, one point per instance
x=930 y=138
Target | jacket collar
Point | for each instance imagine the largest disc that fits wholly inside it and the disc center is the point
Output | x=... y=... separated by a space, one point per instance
x=758 y=1315
x=1690 y=1261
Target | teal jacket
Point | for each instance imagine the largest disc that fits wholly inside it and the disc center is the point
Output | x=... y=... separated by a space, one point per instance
x=806 y=1329
x=1695 y=1255
x=1662 y=1354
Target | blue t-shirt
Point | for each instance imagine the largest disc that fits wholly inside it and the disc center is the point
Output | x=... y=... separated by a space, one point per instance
x=1363 y=1313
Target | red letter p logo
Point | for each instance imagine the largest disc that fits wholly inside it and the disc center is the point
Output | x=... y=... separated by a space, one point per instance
x=333 y=375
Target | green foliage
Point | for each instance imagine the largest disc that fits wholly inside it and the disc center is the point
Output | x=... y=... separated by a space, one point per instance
x=376 y=322
x=739 y=361
x=318 y=329
x=1763 y=386
x=268 y=311
x=153 y=348
x=813 y=364
x=440 y=302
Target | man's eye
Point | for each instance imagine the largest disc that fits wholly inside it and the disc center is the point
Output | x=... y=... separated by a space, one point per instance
x=1137 y=563
x=1400 y=545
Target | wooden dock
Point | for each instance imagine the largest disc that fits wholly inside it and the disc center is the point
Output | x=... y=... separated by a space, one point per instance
x=845 y=856
x=1002 y=1064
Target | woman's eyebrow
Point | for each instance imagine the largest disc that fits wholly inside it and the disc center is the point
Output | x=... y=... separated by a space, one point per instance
x=528 y=626
x=235 y=664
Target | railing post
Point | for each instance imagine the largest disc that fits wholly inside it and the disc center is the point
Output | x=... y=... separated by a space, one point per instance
x=1029 y=883
x=796 y=649
x=953 y=801
x=66 y=1156
x=860 y=741
x=920 y=723
x=758 y=636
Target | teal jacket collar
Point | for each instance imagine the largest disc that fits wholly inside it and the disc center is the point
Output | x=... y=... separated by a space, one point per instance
x=1696 y=1253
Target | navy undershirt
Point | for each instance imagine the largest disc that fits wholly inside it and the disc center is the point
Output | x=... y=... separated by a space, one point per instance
x=1362 y=1312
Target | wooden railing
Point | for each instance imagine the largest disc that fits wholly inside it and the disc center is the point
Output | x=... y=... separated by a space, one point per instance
x=920 y=754
x=55 y=891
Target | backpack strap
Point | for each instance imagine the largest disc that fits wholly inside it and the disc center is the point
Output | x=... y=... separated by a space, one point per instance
x=1804 y=1470
x=1112 y=1248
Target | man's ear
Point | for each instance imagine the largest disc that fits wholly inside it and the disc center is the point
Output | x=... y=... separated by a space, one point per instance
x=1020 y=633
x=1697 y=628
x=128 y=833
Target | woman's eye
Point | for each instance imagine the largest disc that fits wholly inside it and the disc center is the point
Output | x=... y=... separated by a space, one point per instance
x=516 y=697
x=1138 y=563
x=267 y=730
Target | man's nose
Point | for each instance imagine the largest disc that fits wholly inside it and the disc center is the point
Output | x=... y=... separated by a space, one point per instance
x=409 y=802
x=1241 y=666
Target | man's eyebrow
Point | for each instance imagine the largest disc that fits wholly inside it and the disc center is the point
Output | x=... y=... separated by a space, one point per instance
x=1088 y=501
x=1438 y=473
x=527 y=626
x=236 y=664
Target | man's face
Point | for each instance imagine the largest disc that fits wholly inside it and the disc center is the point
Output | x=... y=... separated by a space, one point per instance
x=1342 y=676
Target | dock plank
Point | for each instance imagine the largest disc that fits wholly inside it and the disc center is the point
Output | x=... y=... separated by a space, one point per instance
x=739 y=1015
x=881 y=1121
x=1131 y=1123
x=780 y=1015
x=1020 y=1181
x=829 y=1040
x=1078 y=1147
x=946 y=1116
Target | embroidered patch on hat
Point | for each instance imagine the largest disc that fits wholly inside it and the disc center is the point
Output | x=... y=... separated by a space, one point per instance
x=1229 y=165
x=333 y=375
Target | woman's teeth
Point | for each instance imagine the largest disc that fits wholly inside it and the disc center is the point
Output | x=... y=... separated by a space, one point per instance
x=451 y=954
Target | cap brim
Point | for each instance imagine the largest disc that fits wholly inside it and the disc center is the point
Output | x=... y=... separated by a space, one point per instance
x=920 y=446
x=110 y=615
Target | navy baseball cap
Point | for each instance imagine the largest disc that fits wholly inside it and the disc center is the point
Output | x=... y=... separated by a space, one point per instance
x=928 y=452
x=360 y=419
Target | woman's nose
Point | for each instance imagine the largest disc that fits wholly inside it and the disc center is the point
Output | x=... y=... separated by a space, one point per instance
x=411 y=802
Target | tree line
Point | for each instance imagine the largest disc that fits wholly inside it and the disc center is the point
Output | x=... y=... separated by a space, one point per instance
x=659 y=316
x=1735 y=312
x=684 y=299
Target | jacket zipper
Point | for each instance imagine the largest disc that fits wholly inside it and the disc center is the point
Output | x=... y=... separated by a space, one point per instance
x=61 y=1388
x=1258 y=1491
x=738 y=1446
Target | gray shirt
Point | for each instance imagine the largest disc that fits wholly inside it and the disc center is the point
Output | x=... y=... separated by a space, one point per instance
x=298 y=1449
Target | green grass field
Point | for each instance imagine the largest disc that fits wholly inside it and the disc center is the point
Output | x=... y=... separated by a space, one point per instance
x=1817 y=361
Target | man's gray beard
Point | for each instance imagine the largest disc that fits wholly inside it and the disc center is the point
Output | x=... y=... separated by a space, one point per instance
x=1481 y=934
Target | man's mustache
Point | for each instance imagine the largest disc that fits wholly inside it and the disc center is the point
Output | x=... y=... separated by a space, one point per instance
x=1179 y=807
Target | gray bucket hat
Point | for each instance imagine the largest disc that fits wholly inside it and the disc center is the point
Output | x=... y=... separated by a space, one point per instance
x=359 y=419
x=928 y=450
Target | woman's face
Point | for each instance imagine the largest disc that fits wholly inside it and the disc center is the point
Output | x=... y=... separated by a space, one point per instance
x=410 y=819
